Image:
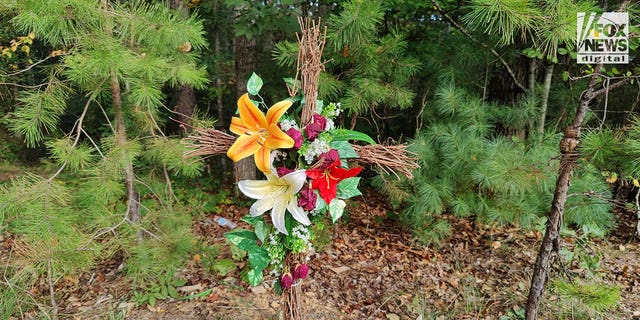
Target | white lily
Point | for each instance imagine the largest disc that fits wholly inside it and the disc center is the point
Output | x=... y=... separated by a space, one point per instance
x=277 y=194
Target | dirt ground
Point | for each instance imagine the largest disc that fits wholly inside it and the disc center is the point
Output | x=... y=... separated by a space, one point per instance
x=374 y=270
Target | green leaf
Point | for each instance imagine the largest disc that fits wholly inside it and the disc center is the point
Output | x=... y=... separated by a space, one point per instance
x=223 y=266
x=336 y=209
x=348 y=188
x=252 y=220
x=562 y=51
x=244 y=239
x=259 y=258
x=565 y=75
x=345 y=135
x=254 y=84
x=320 y=205
x=261 y=230
x=277 y=288
x=345 y=150
x=164 y=292
x=173 y=293
x=237 y=253
x=255 y=277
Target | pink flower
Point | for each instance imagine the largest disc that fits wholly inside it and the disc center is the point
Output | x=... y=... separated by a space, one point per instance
x=312 y=130
x=301 y=271
x=296 y=136
x=307 y=199
x=282 y=171
x=286 y=281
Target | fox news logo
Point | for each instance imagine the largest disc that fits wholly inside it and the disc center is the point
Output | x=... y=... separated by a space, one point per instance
x=604 y=38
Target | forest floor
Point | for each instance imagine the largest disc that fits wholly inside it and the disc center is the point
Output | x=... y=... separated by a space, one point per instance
x=373 y=269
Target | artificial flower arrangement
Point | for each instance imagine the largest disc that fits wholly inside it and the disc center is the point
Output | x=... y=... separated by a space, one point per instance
x=307 y=175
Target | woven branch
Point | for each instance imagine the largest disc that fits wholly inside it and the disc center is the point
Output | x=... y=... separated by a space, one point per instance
x=391 y=159
x=208 y=142
x=311 y=44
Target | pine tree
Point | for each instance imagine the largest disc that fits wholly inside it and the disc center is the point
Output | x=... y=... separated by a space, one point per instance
x=117 y=58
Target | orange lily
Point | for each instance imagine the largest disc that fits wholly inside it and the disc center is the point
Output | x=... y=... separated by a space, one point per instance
x=258 y=135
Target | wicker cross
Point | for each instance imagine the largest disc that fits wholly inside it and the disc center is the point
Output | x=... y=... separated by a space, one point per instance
x=389 y=158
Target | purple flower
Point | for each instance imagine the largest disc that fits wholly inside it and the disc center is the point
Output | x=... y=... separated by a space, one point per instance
x=312 y=130
x=296 y=136
x=282 y=171
x=300 y=271
x=328 y=158
x=286 y=281
x=307 y=199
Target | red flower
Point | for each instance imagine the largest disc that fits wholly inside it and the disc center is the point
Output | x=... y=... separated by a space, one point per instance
x=326 y=180
x=313 y=130
x=307 y=199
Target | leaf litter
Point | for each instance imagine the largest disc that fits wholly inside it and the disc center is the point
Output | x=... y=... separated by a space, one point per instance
x=372 y=269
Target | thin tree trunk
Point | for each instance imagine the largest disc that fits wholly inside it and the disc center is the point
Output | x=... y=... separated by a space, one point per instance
x=533 y=68
x=245 y=63
x=133 y=206
x=569 y=155
x=545 y=100
x=218 y=82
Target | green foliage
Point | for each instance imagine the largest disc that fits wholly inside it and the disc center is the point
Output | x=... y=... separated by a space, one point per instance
x=117 y=51
x=369 y=70
x=64 y=153
x=356 y=26
x=52 y=242
x=163 y=289
x=468 y=171
x=582 y=300
x=39 y=112
x=168 y=152
x=506 y=18
x=589 y=203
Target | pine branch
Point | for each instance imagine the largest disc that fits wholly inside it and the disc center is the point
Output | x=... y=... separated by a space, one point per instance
x=484 y=45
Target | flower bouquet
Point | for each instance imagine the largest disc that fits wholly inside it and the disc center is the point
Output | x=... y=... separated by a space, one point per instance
x=307 y=175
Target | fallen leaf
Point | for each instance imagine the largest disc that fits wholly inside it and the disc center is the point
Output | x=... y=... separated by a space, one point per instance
x=340 y=270
x=393 y=316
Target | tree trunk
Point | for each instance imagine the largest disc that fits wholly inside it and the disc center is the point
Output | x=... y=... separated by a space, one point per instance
x=533 y=68
x=245 y=63
x=218 y=84
x=133 y=206
x=545 y=100
x=551 y=240
x=186 y=102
